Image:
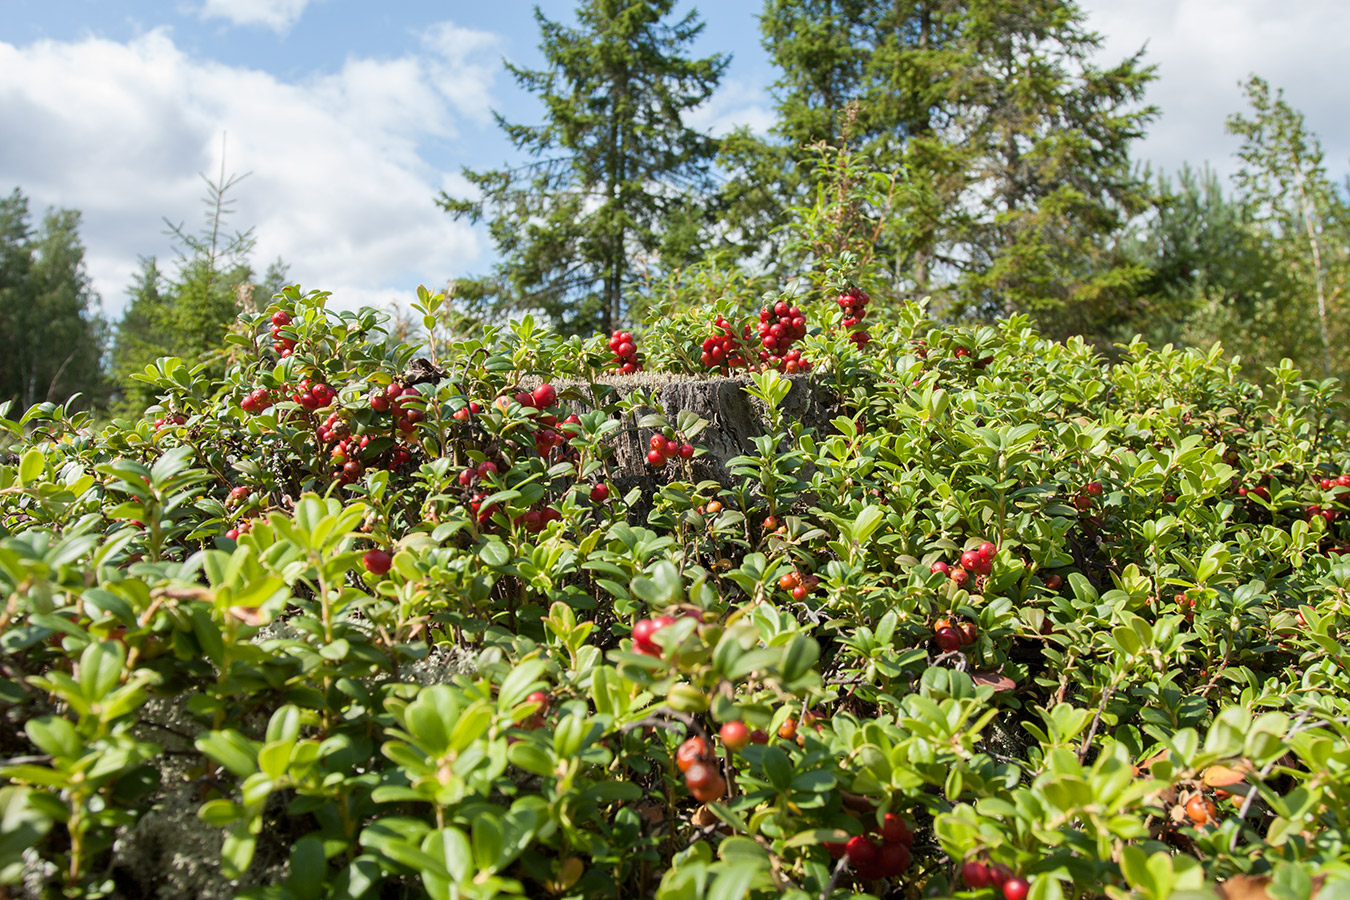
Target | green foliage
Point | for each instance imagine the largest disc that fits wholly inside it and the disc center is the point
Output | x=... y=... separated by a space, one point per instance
x=615 y=177
x=482 y=714
x=1300 y=218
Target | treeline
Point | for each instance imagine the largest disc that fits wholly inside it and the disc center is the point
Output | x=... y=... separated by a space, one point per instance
x=975 y=153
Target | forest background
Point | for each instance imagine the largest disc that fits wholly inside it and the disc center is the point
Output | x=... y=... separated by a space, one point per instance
x=981 y=154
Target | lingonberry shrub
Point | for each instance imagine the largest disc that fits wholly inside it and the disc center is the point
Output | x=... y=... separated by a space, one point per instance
x=368 y=619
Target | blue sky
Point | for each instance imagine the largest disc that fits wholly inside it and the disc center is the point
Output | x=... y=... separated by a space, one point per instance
x=352 y=115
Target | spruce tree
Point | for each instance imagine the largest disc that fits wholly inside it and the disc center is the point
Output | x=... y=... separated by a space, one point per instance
x=51 y=334
x=1016 y=144
x=614 y=175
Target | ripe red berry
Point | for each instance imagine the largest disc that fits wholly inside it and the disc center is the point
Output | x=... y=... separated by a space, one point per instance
x=735 y=735
x=281 y=318
x=544 y=396
x=988 y=550
x=698 y=775
x=948 y=639
x=1016 y=888
x=894 y=829
x=711 y=790
x=1094 y=488
x=600 y=493
x=687 y=451
x=541 y=698
x=656 y=458
x=939 y=567
x=893 y=860
x=972 y=560
x=860 y=851
x=976 y=874
x=377 y=562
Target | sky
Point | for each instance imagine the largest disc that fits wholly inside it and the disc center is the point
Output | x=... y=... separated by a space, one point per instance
x=348 y=117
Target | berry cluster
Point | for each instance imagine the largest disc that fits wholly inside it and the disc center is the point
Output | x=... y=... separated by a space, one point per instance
x=964 y=353
x=486 y=470
x=952 y=636
x=1085 y=498
x=314 y=396
x=973 y=562
x=696 y=761
x=256 y=401
x=166 y=421
x=626 y=358
x=780 y=326
x=395 y=399
x=283 y=345
x=243 y=526
x=798 y=585
x=662 y=448
x=978 y=874
x=854 y=304
x=723 y=349
x=886 y=854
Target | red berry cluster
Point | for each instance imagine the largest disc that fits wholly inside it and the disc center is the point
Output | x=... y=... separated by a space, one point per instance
x=964 y=353
x=243 y=526
x=854 y=304
x=1340 y=481
x=165 y=421
x=395 y=399
x=485 y=470
x=536 y=520
x=723 y=349
x=798 y=585
x=886 y=854
x=973 y=562
x=626 y=358
x=696 y=761
x=952 y=636
x=314 y=396
x=977 y=874
x=780 y=326
x=662 y=448
x=283 y=345
x=542 y=399
x=1085 y=498
x=256 y=401
x=1327 y=515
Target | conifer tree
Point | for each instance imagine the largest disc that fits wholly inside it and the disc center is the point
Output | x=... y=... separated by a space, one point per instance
x=1016 y=144
x=613 y=173
x=51 y=334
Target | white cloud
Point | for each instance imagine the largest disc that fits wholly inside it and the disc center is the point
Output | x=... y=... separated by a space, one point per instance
x=1205 y=48
x=737 y=102
x=279 y=15
x=339 y=186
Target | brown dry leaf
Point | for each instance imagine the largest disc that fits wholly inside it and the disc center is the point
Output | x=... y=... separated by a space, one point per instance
x=703 y=817
x=1224 y=776
x=1253 y=887
x=998 y=681
x=652 y=813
